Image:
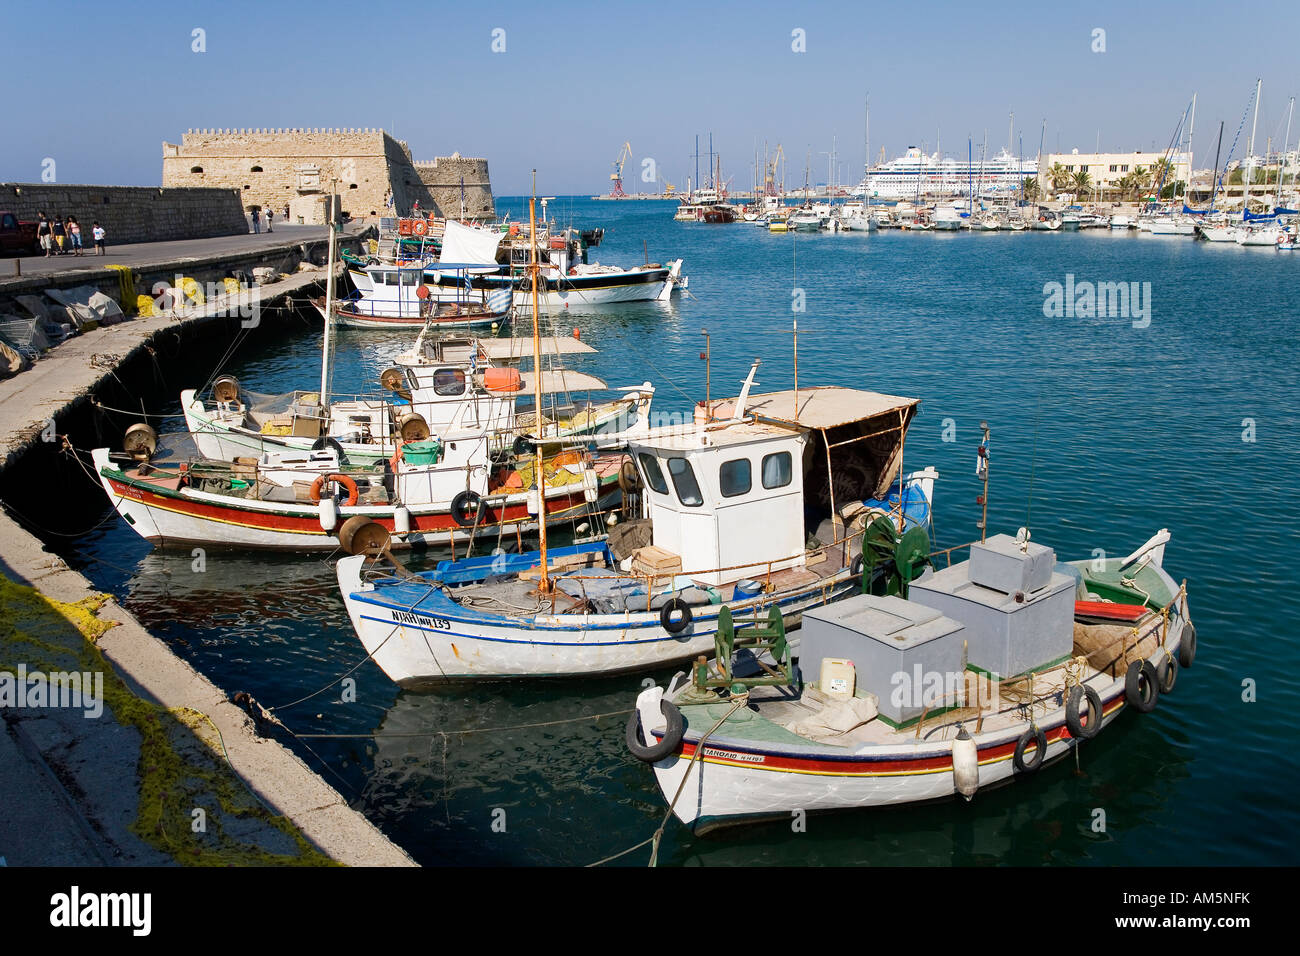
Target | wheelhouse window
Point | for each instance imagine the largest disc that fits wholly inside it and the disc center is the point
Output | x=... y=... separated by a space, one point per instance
x=449 y=381
x=390 y=278
x=411 y=277
x=654 y=476
x=777 y=471
x=735 y=477
x=688 y=489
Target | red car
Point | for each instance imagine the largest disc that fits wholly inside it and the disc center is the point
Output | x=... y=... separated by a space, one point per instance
x=16 y=236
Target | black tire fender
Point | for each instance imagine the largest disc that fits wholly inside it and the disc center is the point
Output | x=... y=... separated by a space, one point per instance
x=672 y=738
x=1187 y=645
x=1074 y=719
x=320 y=444
x=521 y=447
x=1033 y=734
x=666 y=616
x=467 y=508
x=1140 y=674
x=1167 y=672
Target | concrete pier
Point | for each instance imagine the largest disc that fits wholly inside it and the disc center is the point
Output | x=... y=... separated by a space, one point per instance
x=82 y=783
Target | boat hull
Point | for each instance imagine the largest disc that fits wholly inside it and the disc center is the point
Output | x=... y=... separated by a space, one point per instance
x=733 y=780
x=420 y=636
x=634 y=285
x=165 y=515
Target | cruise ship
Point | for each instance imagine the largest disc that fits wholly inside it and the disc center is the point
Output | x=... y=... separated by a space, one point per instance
x=917 y=174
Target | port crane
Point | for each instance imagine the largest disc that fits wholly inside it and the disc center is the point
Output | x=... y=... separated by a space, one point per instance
x=770 y=178
x=616 y=177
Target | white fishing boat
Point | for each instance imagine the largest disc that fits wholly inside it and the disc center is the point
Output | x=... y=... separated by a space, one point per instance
x=728 y=504
x=968 y=677
x=1122 y=221
x=475 y=270
x=396 y=297
x=442 y=385
x=946 y=218
x=433 y=493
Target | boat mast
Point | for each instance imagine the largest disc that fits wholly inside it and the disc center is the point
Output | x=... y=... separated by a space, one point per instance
x=543 y=584
x=1214 y=190
x=1250 y=154
x=866 y=170
x=1277 y=201
x=1191 y=131
x=329 y=307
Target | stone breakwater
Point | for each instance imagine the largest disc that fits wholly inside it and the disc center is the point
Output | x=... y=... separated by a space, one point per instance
x=132 y=213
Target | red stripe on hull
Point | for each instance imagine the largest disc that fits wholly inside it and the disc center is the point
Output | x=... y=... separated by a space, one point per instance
x=309 y=522
x=746 y=758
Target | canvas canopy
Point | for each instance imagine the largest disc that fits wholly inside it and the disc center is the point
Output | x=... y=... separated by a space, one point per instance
x=465 y=247
x=860 y=435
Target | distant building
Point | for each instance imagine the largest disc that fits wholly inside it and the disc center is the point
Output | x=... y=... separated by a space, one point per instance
x=367 y=168
x=1105 y=170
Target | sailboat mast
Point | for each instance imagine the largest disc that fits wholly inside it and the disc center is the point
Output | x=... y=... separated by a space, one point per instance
x=1250 y=154
x=1214 y=190
x=543 y=584
x=329 y=309
x=1285 y=143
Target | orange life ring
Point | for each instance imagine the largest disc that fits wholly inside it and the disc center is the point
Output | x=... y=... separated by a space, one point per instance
x=354 y=493
x=420 y=227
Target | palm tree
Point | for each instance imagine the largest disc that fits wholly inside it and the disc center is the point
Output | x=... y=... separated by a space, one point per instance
x=1030 y=188
x=1058 y=175
x=1082 y=182
x=1138 y=180
x=1160 y=170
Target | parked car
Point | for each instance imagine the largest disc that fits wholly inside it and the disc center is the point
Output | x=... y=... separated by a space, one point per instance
x=16 y=236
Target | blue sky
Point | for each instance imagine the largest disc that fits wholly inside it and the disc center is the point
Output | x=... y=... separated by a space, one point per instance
x=579 y=79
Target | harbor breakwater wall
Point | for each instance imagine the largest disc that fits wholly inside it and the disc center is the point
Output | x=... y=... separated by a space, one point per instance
x=287 y=257
x=131 y=213
x=85 y=391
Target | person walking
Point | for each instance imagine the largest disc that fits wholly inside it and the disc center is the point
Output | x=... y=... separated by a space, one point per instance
x=59 y=235
x=257 y=220
x=44 y=235
x=286 y=212
x=270 y=216
x=97 y=231
x=74 y=236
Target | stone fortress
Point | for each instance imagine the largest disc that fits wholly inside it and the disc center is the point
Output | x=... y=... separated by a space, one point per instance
x=275 y=168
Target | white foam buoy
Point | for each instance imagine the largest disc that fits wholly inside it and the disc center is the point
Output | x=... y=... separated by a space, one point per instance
x=402 y=520
x=329 y=514
x=965 y=764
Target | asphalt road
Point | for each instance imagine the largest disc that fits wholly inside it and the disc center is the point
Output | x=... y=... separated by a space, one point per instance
x=149 y=253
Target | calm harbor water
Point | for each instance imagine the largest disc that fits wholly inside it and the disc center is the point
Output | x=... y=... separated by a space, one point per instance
x=1102 y=434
